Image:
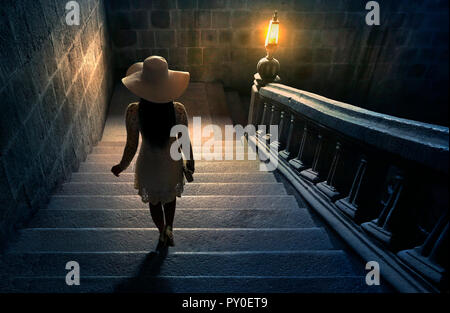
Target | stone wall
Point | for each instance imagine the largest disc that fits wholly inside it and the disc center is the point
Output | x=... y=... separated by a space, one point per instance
x=398 y=68
x=55 y=85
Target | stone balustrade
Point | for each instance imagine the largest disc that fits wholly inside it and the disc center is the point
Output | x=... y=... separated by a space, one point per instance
x=378 y=180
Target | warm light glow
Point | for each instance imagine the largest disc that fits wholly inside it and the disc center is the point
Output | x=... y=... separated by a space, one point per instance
x=272 y=32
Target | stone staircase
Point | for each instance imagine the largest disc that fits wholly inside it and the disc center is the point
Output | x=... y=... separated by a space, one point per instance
x=236 y=230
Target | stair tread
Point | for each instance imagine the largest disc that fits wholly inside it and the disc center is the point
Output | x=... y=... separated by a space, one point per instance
x=200 y=167
x=224 y=218
x=188 y=239
x=133 y=201
x=292 y=263
x=198 y=177
x=119 y=189
x=189 y=189
x=216 y=284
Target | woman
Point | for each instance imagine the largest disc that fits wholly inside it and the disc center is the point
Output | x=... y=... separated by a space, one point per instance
x=158 y=177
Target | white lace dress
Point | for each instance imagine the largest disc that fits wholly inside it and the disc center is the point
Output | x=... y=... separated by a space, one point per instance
x=158 y=178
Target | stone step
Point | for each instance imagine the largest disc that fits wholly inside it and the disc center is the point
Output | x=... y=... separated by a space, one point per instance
x=198 y=149
x=211 y=202
x=203 y=218
x=258 y=177
x=121 y=143
x=323 y=263
x=200 y=167
x=190 y=189
x=197 y=284
x=115 y=158
x=187 y=239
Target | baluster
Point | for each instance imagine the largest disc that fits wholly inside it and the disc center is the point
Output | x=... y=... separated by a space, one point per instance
x=327 y=187
x=298 y=163
x=271 y=122
x=312 y=174
x=425 y=258
x=285 y=154
x=263 y=120
x=276 y=144
x=349 y=205
x=380 y=227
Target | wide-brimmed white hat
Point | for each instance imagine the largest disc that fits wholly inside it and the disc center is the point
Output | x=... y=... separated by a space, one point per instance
x=153 y=81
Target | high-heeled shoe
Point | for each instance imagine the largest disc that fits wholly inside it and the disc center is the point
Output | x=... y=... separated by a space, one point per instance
x=168 y=232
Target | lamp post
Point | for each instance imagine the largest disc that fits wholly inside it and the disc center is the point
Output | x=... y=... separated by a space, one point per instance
x=268 y=67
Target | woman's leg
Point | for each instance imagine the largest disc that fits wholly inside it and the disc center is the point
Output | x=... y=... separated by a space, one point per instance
x=157 y=216
x=169 y=212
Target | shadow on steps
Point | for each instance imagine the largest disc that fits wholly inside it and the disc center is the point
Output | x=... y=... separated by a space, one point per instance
x=150 y=268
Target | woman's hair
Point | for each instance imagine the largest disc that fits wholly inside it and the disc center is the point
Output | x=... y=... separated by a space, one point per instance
x=156 y=120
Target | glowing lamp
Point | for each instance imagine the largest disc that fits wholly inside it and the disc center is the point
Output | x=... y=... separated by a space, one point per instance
x=272 y=32
x=268 y=66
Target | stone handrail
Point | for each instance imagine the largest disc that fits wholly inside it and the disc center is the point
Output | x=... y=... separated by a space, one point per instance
x=417 y=141
x=378 y=180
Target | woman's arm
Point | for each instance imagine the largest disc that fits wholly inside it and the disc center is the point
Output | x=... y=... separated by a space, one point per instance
x=132 y=139
x=190 y=164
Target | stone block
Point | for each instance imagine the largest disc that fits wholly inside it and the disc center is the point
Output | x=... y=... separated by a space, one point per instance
x=355 y=20
x=185 y=19
x=18 y=159
x=116 y=5
x=304 y=37
x=48 y=107
x=50 y=8
x=186 y=4
x=259 y=37
x=308 y=20
x=239 y=55
x=125 y=58
x=146 y=38
x=221 y=19
x=241 y=19
x=335 y=20
x=38 y=73
x=49 y=58
x=5 y=189
x=195 y=56
x=188 y=38
x=301 y=55
x=25 y=90
x=225 y=36
x=9 y=119
x=165 y=39
x=139 y=19
x=209 y=38
x=304 y=6
x=121 y=20
x=177 y=56
x=164 y=4
x=242 y=38
x=161 y=52
x=125 y=38
x=342 y=73
x=212 y=4
x=40 y=129
x=215 y=55
x=271 y=5
x=323 y=55
x=141 y=4
x=254 y=55
x=237 y=4
x=160 y=19
x=202 y=19
x=142 y=54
